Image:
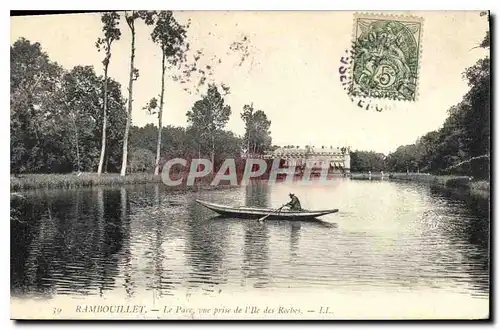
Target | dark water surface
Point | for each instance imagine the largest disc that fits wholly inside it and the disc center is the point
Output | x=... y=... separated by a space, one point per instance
x=387 y=235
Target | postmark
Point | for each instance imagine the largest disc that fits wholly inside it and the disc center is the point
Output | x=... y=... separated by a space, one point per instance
x=363 y=103
x=385 y=57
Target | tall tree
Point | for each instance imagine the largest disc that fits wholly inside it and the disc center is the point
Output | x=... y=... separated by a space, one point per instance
x=56 y=116
x=247 y=116
x=209 y=115
x=81 y=96
x=257 y=134
x=111 y=33
x=33 y=113
x=170 y=36
x=80 y=91
x=364 y=161
x=130 y=18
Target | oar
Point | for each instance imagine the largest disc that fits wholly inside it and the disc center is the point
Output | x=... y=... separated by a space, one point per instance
x=264 y=217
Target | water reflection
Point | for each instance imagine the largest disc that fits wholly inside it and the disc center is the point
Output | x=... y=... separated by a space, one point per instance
x=206 y=243
x=256 y=252
x=71 y=247
x=469 y=230
x=131 y=239
x=294 y=239
x=128 y=281
x=257 y=194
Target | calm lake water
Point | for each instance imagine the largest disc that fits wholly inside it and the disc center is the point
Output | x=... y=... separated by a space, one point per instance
x=128 y=240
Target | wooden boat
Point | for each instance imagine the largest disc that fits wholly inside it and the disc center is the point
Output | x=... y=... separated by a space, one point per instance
x=256 y=212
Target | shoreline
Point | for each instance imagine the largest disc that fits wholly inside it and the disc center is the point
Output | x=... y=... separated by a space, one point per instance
x=28 y=182
x=466 y=184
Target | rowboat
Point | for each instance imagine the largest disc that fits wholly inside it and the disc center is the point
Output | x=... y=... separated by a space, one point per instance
x=256 y=212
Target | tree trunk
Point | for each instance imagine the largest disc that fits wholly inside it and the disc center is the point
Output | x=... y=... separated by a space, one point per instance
x=160 y=113
x=213 y=153
x=106 y=159
x=248 y=146
x=104 y=120
x=130 y=95
x=77 y=148
x=199 y=156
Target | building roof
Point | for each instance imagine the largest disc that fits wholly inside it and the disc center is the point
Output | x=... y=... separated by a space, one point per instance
x=297 y=150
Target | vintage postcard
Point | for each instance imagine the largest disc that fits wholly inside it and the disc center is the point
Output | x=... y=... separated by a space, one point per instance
x=250 y=165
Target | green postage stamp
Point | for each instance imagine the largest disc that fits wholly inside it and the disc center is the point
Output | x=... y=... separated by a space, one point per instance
x=386 y=57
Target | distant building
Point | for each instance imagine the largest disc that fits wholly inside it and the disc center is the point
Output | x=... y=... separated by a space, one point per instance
x=337 y=159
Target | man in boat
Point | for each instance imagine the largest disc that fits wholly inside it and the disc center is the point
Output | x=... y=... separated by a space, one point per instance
x=294 y=203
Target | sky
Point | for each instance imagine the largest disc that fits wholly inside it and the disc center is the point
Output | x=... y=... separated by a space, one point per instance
x=291 y=72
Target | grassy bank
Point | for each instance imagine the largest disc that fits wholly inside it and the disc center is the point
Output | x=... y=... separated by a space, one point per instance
x=367 y=176
x=444 y=180
x=480 y=187
x=68 y=181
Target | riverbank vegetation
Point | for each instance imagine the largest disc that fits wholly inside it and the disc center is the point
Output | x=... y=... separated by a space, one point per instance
x=70 y=181
x=64 y=181
x=460 y=147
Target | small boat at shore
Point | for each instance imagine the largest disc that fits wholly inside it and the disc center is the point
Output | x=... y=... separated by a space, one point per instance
x=256 y=212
